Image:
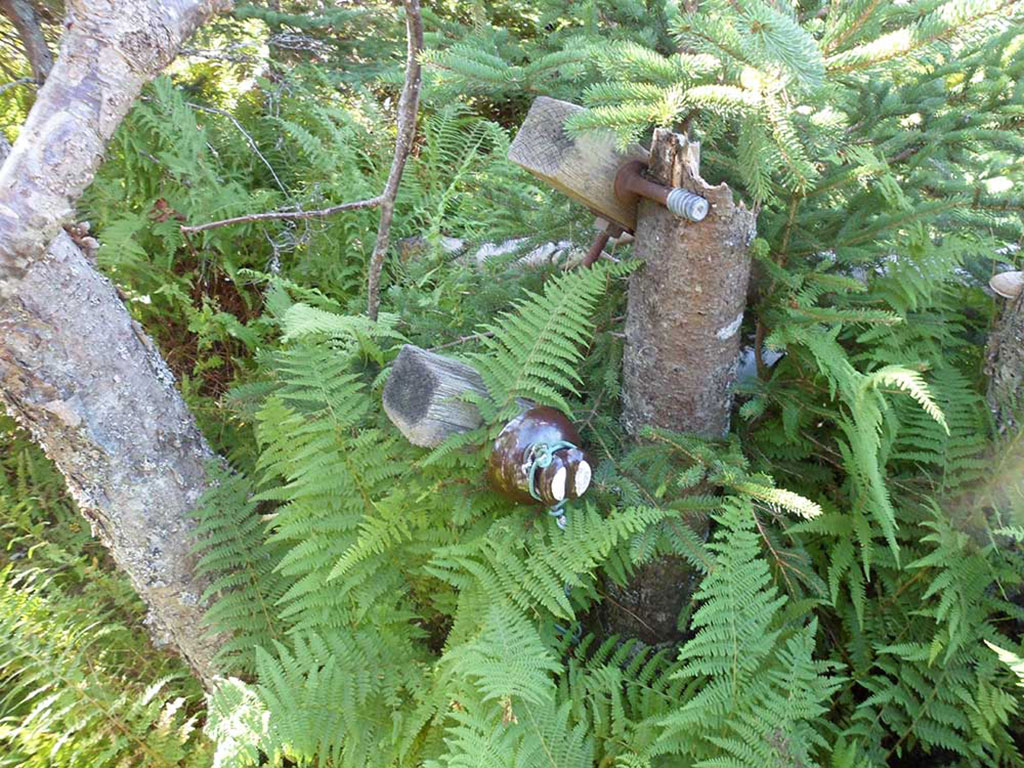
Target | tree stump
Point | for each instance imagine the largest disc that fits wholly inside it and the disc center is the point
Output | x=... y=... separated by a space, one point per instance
x=1005 y=366
x=682 y=346
x=686 y=305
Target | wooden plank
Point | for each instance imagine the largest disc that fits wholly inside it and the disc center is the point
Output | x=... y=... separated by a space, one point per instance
x=583 y=168
x=422 y=396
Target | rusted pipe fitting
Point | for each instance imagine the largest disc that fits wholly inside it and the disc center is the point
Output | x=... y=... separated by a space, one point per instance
x=631 y=183
x=596 y=248
x=600 y=241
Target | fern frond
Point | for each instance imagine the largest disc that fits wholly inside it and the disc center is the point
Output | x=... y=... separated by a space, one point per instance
x=534 y=352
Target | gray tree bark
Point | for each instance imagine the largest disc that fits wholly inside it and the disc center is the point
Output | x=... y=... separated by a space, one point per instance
x=686 y=305
x=75 y=369
x=683 y=322
x=110 y=50
x=1005 y=367
x=22 y=14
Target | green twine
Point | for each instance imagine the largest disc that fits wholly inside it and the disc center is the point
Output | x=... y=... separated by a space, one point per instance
x=543 y=455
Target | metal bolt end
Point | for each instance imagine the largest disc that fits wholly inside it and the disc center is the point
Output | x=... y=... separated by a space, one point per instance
x=688 y=205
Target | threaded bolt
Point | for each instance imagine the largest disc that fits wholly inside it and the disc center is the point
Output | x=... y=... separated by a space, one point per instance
x=686 y=204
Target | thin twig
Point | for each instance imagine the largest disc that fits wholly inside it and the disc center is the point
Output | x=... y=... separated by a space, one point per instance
x=248 y=137
x=215 y=55
x=408 y=107
x=758 y=355
x=463 y=340
x=15 y=83
x=286 y=215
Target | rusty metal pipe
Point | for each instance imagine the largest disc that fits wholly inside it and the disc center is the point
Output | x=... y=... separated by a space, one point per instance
x=597 y=247
x=630 y=183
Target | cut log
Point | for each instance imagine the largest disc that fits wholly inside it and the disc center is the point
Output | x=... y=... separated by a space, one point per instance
x=423 y=396
x=686 y=305
x=584 y=168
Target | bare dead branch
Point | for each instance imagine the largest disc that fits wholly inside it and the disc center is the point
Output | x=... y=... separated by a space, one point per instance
x=15 y=83
x=22 y=14
x=286 y=215
x=295 y=41
x=228 y=55
x=408 y=107
x=463 y=340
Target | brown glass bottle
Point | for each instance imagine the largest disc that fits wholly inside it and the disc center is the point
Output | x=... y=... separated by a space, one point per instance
x=538 y=431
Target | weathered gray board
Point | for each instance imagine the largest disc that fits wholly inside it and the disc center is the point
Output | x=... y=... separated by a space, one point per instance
x=583 y=168
x=422 y=396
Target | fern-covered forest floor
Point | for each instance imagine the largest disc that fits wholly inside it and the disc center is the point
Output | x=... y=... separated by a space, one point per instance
x=858 y=597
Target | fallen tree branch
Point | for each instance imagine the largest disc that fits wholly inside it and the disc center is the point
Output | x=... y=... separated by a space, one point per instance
x=408 y=107
x=75 y=368
x=370 y=202
x=225 y=55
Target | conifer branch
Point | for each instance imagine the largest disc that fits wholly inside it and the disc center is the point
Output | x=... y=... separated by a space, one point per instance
x=944 y=23
x=853 y=27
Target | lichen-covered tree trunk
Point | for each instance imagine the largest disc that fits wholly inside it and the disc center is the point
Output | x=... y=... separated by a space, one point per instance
x=75 y=369
x=110 y=50
x=682 y=346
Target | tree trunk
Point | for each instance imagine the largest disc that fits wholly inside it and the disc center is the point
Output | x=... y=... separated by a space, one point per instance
x=686 y=304
x=22 y=14
x=110 y=50
x=1006 y=367
x=75 y=369
x=682 y=346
